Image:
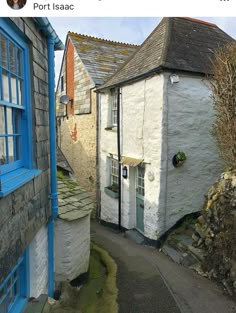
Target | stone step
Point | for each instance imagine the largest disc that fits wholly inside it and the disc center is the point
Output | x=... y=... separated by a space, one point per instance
x=178 y=256
x=39 y=305
x=135 y=236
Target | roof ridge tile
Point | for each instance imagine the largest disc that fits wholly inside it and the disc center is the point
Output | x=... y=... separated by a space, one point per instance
x=101 y=39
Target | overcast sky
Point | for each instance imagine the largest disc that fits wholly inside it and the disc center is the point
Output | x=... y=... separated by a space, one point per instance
x=131 y=30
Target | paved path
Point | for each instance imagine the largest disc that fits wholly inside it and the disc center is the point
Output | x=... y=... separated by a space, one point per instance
x=144 y=274
x=141 y=288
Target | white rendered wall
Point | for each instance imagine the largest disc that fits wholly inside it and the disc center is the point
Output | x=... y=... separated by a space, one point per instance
x=38 y=260
x=190 y=118
x=72 y=248
x=108 y=144
x=142 y=104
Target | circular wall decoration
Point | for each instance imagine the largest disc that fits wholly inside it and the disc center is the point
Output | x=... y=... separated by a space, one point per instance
x=151 y=176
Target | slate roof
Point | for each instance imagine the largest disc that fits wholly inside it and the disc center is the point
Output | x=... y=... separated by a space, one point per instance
x=183 y=44
x=101 y=57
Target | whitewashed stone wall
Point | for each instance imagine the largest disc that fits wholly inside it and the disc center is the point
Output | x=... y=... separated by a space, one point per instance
x=72 y=248
x=158 y=120
x=38 y=259
x=190 y=118
x=108 y=144
x=141 y=139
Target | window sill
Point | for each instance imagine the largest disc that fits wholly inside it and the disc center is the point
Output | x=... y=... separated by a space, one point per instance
x=111 y=193
x=111 y=128
x=15 y=179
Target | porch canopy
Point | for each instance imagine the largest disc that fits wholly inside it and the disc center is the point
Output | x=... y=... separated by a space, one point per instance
x=131 y=161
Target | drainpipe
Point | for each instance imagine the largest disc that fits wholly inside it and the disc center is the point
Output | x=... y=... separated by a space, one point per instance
x=53 y=166
x=98 y=213
x=119 y=158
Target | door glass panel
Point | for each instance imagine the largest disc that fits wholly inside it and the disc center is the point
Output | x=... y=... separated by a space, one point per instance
x=140 y=180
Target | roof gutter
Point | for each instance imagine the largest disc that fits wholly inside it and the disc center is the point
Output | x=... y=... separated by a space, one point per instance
x=145 y=75
x=46 y=27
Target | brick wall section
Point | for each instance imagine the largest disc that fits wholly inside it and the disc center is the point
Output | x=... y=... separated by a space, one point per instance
x=80 y=148
x=70 y=76
x=25 y=211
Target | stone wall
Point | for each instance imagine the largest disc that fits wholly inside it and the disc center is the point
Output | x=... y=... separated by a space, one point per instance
x=190 y=119
x=26 y=210
x=77 y=133
x=72 y=248
x=38 y=259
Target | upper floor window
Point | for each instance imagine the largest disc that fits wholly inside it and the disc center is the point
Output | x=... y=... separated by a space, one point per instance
x=15 y=108
x=62 y=83
x=114 y=107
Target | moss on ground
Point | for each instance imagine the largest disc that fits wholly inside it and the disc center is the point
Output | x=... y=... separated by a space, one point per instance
x=99 y=294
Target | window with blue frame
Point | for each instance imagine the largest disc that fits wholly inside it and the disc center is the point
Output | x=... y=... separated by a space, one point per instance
x=15 y=110
x=12 y=105
x=14 y=289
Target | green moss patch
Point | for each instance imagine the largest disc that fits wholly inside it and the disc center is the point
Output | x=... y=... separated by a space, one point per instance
x=99 y=294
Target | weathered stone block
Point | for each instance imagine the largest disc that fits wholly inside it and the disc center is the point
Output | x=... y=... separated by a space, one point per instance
x=41 y=101
x=40 y=72
x=41 y=133
x=42 y=118
x=5 y=210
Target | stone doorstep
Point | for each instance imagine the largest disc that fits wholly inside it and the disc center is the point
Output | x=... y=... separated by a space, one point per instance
x=39 y=305
x=135 y=236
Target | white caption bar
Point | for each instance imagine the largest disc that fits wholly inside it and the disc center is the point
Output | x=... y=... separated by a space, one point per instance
x=104 y=8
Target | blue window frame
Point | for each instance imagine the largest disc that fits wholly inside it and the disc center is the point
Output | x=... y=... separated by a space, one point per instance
x=14 y=289
x=15 y=110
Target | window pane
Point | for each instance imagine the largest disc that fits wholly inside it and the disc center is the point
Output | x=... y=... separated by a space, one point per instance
x=13 y=89
x=17 y=148
x=3 y=155
x=3 y=51
x=12 y=58
x=10 y=149
x=5 y=85
x=9 y=121
x=20 y=93
x=2 y=120
x=16 y=119
x=19 y=61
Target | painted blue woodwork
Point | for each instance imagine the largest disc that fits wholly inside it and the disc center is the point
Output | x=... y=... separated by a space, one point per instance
x=15 y=288
x=15 y=109
x=53 y=165
x=15 y=179
x=140 y=193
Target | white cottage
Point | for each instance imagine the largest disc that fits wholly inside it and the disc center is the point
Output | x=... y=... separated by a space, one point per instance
x=156 y=105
